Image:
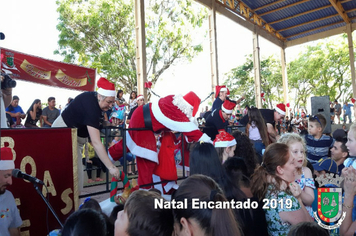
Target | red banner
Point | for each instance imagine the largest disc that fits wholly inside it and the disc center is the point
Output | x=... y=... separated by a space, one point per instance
x=49 y=155
x=43 y=71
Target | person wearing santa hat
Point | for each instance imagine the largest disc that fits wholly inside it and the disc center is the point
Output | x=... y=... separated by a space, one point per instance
x=85 y=113
x=225 y=145
x=170 y=113
x=221 y=94
x=10 y=218
x=271 y=117
x=218 y=120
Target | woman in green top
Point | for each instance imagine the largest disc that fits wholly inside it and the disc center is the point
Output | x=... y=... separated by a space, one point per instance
x=273 y=184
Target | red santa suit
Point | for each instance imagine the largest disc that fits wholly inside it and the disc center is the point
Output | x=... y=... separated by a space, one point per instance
x=171 y=113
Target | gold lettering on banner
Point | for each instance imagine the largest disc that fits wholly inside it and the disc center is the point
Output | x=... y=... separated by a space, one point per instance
x=67 y=200
x=47 y=180
x=35 y=72
x=73 y=82
x=25 y=223
x=28 y=160
x=11 y=144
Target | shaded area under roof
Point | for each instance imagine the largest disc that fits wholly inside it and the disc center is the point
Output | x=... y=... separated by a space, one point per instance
x=290 y=22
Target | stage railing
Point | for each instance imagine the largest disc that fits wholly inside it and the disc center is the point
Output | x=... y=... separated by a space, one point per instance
x=106 y=134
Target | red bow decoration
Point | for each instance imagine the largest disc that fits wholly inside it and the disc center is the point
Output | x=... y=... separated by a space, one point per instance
x=353 y=100
x=288 y=105
x=148 y=85
x=263 y=96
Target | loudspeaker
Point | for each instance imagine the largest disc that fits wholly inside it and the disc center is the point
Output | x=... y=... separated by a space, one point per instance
x=321 y=105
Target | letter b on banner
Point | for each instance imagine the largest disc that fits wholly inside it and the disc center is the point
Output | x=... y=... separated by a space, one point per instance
x=321 y=105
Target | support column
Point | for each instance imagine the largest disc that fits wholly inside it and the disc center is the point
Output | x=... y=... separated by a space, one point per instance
x=140 y=48
x=257 y=69
x=213 y=48
x=352 y=59
x=284 y=76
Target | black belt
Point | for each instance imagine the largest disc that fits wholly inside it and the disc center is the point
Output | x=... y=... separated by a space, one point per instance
x=147 y=116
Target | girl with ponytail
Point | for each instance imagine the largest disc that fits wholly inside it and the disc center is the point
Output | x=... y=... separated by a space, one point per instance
x=273 y=184
x=202 y=221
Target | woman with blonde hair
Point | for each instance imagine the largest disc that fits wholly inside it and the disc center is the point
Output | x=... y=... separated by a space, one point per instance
x=273 y=183
x=304 y=175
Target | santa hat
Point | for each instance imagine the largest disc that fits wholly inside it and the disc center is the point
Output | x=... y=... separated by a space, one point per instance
x=188 y=104
x=140 y=97
x=281 y=109
x=106 y=88
x=219 y=89
x=6 y=159
x=228 y=106
x=224 y=139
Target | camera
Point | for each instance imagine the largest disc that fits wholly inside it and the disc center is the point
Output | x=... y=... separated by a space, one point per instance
x=7 y=82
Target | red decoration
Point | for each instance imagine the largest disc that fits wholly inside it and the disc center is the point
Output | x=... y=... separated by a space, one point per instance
x=38 y=70
x=353 y=100
x=263 y=96
x=148 y=85
x=288 y=105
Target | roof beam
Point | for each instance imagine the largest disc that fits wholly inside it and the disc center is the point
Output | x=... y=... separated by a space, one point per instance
x=300 y=14
x=307 y=12
x=243 y=10
x=293 y=4
x=306 y=23
x=318 y=36
x=338 y=7
x=290 y=5
x=248 y=24
x=268 y=5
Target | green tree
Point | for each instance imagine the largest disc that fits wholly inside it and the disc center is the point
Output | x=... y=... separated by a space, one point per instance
x=320 y=70
x=240 y=80
x=101 y=34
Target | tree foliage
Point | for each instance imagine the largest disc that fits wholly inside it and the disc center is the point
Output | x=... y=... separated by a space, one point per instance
x=240 y=80
x=101 y=34
x=321 y=70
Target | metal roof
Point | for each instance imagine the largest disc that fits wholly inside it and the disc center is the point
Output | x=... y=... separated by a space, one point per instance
x=290 y=21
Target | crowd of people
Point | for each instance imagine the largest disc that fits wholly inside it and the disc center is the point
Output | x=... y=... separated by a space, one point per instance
x=261 y=180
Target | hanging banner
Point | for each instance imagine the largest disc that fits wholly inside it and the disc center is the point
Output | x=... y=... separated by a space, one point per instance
x=51 y=156
x=38 y=70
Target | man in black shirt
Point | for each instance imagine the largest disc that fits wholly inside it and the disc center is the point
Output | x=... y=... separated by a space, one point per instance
x=218 y=120
x=85 y=113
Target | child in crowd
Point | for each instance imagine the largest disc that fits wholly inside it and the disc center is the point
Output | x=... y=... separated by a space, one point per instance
x=304 y=176
x=275 y=180
x=87 y=222
x=133 y=100
x=318 y=144
x=225 y=145
x=90 y=159
x=189 y=221
x=141 y=217
x=256 y=130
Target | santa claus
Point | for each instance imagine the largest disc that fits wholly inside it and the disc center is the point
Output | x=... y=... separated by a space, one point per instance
x=171 y=113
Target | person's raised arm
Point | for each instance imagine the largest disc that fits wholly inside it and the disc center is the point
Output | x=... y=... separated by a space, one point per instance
x=101 y=152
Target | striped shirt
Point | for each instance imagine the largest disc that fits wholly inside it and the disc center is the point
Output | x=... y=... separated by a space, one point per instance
x=318 y=148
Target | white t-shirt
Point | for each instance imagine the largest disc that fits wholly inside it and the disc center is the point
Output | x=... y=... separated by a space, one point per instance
x=11 y=216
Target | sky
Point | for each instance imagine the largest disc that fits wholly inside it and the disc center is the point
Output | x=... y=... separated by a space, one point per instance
x=30 y=27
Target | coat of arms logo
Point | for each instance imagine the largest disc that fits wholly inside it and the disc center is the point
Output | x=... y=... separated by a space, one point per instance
x=329 y=202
